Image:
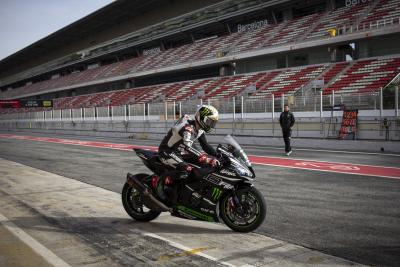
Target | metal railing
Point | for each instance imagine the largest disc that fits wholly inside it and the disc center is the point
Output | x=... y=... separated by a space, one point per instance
x=235 y=107
x=242 y=116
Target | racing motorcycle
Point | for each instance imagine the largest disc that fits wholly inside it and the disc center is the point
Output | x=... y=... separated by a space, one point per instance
x=224 y=194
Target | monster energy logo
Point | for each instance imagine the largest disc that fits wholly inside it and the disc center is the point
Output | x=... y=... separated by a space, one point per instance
x=216 y=193
x=204 y=112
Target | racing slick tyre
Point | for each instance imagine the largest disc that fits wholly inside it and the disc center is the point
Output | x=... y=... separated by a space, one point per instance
x=134 y=206
x=248 y=215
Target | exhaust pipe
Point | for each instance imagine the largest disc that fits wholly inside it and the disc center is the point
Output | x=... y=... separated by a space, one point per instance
x=134 y=182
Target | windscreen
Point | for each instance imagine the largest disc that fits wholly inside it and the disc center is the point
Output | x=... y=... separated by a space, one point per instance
x=238 y=151
x=230 y=141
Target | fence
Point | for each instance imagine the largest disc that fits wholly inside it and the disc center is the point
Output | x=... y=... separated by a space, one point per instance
x=229 y=108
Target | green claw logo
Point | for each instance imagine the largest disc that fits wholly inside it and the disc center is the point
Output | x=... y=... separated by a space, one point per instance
x=204 y=112
x=216 y=193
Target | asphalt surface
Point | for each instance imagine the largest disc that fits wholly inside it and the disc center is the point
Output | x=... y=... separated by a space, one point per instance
x=349 y=216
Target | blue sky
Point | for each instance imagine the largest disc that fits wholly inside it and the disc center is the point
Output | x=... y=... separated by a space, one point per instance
x=23 y=22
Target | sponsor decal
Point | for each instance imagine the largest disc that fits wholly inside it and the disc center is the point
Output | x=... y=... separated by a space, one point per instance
x=209 y=201
x=212 y=179
x=216 y=193
x=207 y=210
x=204 y=112
x=199 y=215
x=224 y=171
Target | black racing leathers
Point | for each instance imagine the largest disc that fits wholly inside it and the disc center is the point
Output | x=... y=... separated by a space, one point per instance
x=176 y=149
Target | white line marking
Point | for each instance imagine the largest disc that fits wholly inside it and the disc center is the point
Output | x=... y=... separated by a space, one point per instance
x=324 y=161
x=49 y=256
x=326 y=150
x=184 y=248
x=332 y=171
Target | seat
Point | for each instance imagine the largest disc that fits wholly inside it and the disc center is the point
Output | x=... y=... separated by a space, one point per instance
x=147 y=154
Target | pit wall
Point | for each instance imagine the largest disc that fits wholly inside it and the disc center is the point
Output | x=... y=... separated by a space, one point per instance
x=309 y=131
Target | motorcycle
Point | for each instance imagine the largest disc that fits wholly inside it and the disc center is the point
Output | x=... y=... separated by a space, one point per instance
x=225 y=194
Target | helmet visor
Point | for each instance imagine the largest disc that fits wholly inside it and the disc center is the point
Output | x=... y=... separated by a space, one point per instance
x=210 y=123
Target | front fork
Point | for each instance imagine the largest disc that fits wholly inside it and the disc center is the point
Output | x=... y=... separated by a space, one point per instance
x=235 y=203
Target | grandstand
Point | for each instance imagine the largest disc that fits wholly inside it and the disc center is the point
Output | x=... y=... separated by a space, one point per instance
x=221 y=50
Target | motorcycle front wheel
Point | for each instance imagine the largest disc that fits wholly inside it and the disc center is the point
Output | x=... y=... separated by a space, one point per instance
x=243 y=210
x=134 y=206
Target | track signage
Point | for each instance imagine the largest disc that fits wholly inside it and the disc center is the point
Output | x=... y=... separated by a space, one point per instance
x=350 y=3
x=26 y=103
x=252 y=26
x=10 y=104
x=349 y=124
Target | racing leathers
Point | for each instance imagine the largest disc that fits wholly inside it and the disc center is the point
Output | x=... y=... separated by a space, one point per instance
x=177 y=148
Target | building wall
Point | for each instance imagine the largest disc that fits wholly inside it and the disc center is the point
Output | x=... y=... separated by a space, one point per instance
x=384 y=45
x=299 y=58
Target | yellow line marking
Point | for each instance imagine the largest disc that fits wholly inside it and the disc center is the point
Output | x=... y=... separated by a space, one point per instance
x=183 y=254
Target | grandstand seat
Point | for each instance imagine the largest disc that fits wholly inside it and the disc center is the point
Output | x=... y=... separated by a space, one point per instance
x=338 y=18
x=384 y=10
x=366 y=75
x=290 y=80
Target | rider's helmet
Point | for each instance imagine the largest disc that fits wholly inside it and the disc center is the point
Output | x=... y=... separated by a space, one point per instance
x=207 y=117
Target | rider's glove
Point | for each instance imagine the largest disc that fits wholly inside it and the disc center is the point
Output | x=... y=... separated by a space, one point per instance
x=215 y=163
x=203 y=159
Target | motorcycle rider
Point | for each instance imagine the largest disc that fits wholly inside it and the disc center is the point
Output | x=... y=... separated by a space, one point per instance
x=177 y=148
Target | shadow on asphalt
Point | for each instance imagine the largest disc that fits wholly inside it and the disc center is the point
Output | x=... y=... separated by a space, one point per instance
x=109 y=225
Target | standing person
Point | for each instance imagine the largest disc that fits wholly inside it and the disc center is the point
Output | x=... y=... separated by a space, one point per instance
x=386 y=124
x=287 y=121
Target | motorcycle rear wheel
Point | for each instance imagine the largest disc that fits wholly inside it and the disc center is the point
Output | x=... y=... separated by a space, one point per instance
x=134 y=206
x=249 y=216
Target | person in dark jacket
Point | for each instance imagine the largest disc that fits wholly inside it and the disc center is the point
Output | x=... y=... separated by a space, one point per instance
x=287 y=121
